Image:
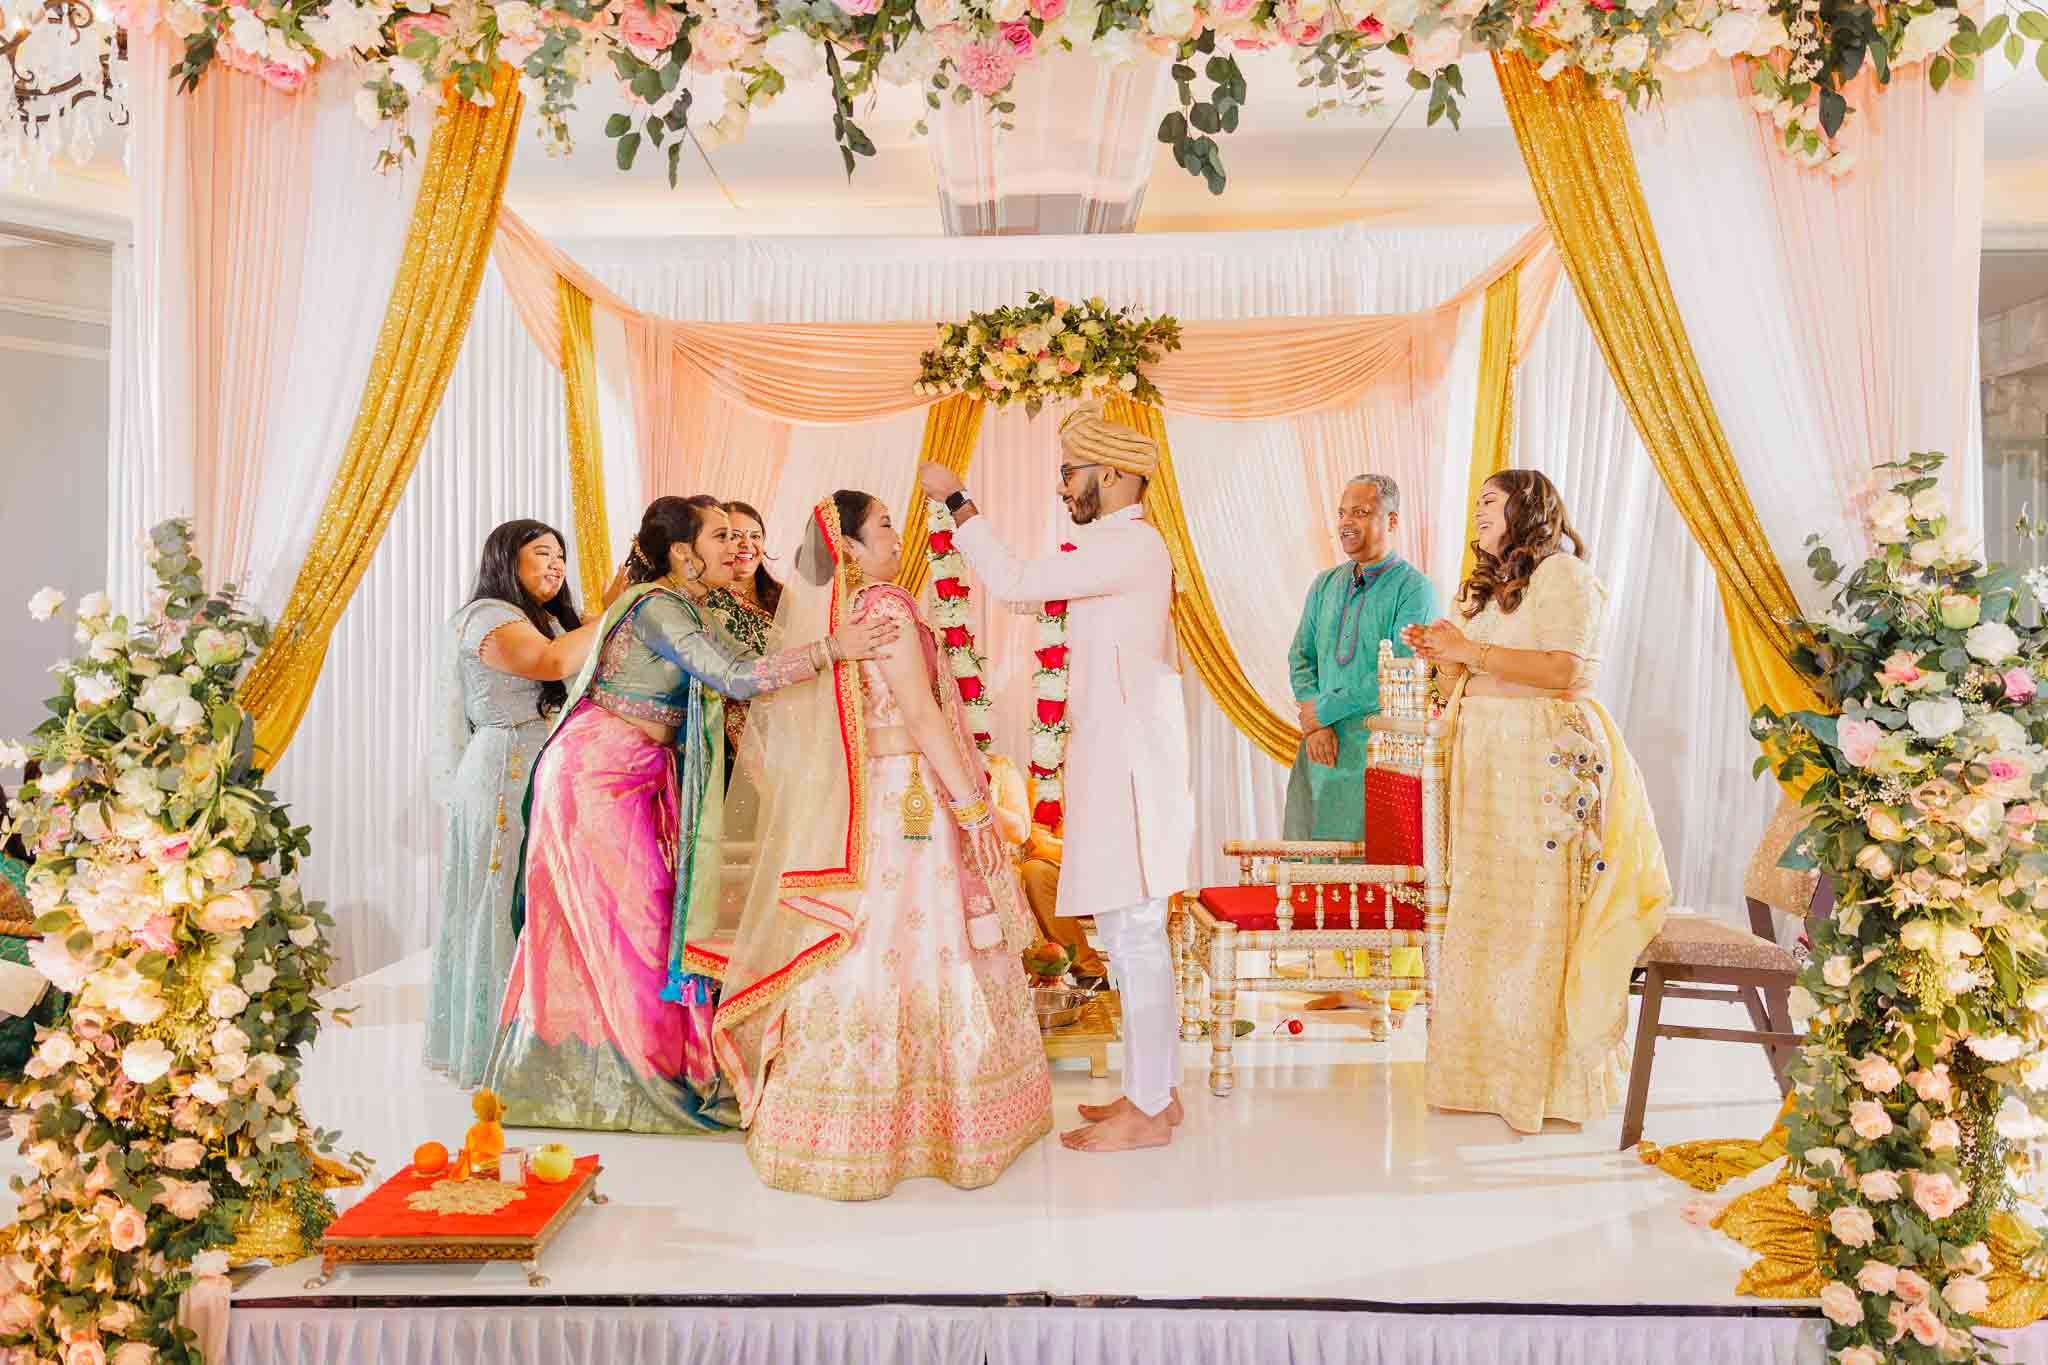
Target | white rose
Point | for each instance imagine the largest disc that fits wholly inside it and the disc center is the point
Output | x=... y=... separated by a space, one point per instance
x=94 y=606
x=1935 y=719
x=45 y=604
x=306 y=935
x=214 y=647
x=1998 y=1047
x=933 y=14
x=1171 y=18
x=146 y=1061
x=137 y=789
x=1926 y=34
x=1631 y=52
x=1956 y=942
x=226 y=1002
x=1993 y=642
x=1731 y=34
x=1801 y=1005
x=1770 y=35
x=794 y=55
x=1007 y=11
x=1053 y=687
x=516 y=19
x=258 y=978
x=107 y=646
x=57 y=1051
x=1688 y=50
x=94 y=690
x=1838 y=972
x=207 y=1090
x=12 y=755
x=1555 y=64
x=229 y=1066
x=54 y=960
x=1929 y=504
x=228 y=913
x=160 y=695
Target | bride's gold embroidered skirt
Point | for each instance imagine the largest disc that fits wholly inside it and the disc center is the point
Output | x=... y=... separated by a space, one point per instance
x=1557 y=883
x=913 y=1054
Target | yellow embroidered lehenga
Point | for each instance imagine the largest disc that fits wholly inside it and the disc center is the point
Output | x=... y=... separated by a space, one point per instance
x=1557 y=880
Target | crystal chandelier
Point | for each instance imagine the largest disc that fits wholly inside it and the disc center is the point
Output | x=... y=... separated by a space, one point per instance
x=67 y=66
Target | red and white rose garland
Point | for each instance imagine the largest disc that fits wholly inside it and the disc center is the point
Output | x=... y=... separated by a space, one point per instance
x=1049 y=729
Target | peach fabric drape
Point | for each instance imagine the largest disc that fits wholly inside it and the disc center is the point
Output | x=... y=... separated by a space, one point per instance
x=836 y=374
x=1886 y=351
x=693 y=438
x=229 y=164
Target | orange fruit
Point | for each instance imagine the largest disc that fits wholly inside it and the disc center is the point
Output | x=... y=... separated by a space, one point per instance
x=430 y=1158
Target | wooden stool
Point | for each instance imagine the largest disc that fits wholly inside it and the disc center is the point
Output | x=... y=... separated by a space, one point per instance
x=1688 y=960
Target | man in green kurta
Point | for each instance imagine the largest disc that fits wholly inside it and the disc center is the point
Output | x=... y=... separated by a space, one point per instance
x=1335 y=667
x=1335 y=659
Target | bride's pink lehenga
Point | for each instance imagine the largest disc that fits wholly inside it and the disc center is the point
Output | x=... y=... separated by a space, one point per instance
x=881 y=1046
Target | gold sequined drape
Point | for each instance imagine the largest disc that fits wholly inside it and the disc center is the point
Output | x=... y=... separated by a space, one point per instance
x=1194 y=612
x=1493 y=418
x=952 y=428
x=1584 y=175
x=586 y=443
x=461 y=186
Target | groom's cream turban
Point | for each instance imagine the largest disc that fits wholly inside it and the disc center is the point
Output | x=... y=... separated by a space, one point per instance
x=1094 y=438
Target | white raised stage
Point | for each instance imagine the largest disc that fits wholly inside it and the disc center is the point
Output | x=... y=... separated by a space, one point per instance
x=1320 y=1214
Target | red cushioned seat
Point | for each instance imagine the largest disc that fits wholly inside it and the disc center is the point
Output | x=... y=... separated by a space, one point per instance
x=1393 y=818
x=1253 y=907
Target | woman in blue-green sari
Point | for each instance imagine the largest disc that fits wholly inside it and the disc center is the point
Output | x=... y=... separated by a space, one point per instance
x=606 y=1020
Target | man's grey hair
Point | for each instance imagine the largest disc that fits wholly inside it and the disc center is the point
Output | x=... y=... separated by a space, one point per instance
x=1389 y=491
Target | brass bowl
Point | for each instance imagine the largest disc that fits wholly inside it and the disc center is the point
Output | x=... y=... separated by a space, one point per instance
x=1057 y=1006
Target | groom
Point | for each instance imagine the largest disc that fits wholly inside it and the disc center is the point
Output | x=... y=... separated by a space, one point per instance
x=1129 y=817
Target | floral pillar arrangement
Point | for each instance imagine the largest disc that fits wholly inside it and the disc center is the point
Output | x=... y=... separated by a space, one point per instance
x=1925 y=1065
x=161 y=1115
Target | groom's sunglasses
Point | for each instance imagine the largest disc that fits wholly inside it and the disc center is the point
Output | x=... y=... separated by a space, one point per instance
x=1068 y=471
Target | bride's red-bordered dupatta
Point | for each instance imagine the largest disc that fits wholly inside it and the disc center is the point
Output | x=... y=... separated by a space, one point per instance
x=802 y=787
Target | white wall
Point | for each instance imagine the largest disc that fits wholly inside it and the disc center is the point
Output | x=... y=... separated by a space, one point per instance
x=53 y=456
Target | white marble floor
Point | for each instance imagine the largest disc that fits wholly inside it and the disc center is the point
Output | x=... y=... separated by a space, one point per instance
x=1323 y=1177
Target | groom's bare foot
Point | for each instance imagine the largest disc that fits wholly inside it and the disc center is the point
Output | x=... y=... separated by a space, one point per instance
x=1096 y=1113
x=1124 y=1132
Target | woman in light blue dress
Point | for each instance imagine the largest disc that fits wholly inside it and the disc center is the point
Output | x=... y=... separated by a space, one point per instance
x=503 y=661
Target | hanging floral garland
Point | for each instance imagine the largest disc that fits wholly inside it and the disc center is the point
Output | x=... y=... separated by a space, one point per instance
x=950 y=613
x=406 y=51
x=1049 y=728
x=1048 y=349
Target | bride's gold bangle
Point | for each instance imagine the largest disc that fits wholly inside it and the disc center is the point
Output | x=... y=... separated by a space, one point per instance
x=974 y=813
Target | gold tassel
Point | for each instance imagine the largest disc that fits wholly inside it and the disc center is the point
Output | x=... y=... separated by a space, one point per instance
x=917 y=806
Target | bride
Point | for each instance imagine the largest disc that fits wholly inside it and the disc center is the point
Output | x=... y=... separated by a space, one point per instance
x=874 y=1021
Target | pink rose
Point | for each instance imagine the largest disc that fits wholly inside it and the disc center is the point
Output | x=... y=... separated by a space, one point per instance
x=2020 y=817
x=1859 y=740
x=279 y=76
x=138 y=1352
x=181 y=1154
x=649 y=25
x=986 y=68
x=1372 y=28
x=1048 y=11
x=185 y=1198
x=1879 y=1187
x=1934 y=1086
x=2004 y=768
x=128 y=1229
x=1841 y=1304
x=158 y=934
x=1852 y=1226
x=1437 y=51
x=411 y=26
x=1943 y=1134
x=1911 y=1287
x=2019 y=686
x=1235 y=9
x=1900 y=670
x=1939 y=1195
x=1021 y=39
x=1869 y=1120
x=1299 y=32
x=1876 y=1074
x=85 y=1351
x=1877 y=1277
x=1925 y=1326
x=1859 y=1355
x=858 y=8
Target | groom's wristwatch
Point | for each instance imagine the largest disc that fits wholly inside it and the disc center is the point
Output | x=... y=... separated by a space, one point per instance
x=957 y=500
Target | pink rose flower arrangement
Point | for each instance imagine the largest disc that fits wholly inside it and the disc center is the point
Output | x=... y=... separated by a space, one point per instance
x=1859 y=739
x=1938 y=1194
x=1048 y=11
x=1023 y=42
x=1900 y=670
x=987 y=68
x=649 y=25
x=2019 y=686
x=1876 y=1074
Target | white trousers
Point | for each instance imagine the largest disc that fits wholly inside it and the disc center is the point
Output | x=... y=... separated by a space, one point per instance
x=1141 y=968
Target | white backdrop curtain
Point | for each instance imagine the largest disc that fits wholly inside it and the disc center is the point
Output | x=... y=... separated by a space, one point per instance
x=498 y=450
x=1835 y=321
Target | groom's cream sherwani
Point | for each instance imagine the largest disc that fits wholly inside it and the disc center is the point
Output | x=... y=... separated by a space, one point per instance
x=1130 y=825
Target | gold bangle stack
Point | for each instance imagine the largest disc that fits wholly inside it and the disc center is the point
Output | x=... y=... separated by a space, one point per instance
x=972 y=814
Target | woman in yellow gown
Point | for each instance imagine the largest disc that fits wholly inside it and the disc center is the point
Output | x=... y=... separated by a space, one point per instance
x=1557 y=875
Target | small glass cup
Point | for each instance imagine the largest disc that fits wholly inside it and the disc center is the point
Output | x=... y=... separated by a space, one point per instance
x=512 y=1166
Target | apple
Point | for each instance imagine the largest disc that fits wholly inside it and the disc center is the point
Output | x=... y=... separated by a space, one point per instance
x=552 y=1163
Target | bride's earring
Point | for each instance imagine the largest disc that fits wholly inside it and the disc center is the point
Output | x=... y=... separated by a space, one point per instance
x=856 y=577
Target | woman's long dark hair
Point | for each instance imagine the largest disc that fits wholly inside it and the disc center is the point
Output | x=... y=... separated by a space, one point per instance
x=667 y=523
x=767 y=591
x=497 y=579
x=1537 y=528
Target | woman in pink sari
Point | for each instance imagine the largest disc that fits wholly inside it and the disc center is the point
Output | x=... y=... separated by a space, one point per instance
x=606 y=1017
x=875 y=1021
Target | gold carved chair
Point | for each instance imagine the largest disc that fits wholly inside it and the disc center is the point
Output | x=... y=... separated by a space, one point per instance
x=1355 y=902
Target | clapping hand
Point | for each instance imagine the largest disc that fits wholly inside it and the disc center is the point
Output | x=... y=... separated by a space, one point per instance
x=1440 y=642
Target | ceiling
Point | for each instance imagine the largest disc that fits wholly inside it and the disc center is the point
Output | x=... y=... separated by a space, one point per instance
x=1285 y=170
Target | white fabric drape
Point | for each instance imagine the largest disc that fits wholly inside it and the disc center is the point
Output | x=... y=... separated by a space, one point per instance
x=1821 y=356
x=1668 y=677
x=1010 y=1336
